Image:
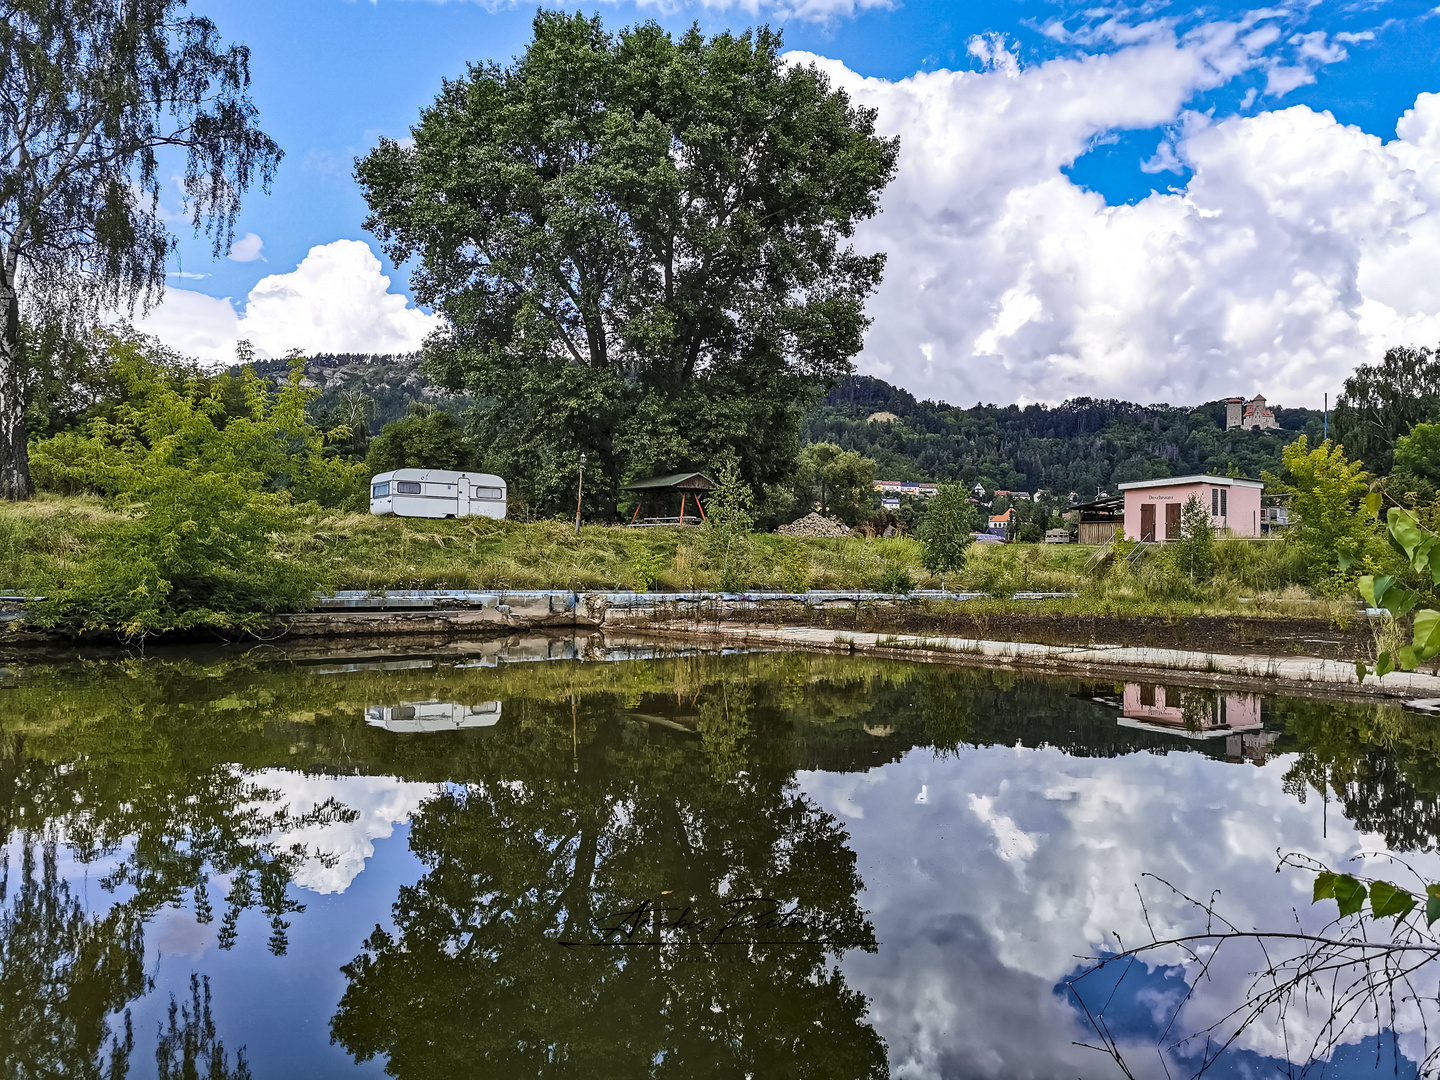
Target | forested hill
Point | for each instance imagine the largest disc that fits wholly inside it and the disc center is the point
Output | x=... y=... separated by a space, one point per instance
x=1082 y=445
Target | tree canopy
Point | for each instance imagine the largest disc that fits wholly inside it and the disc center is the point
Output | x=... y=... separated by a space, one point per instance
x=640 y=245
x=91 y=97
x=1381 y=402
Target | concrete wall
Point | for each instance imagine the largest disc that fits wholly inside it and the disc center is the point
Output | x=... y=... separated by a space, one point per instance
x=1242 y=510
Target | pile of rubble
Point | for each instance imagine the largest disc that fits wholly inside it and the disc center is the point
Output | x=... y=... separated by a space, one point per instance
x=813 y=524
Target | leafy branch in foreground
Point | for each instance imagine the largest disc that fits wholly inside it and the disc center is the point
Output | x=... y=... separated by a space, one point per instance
x=1320 y=989
x=1421 y=548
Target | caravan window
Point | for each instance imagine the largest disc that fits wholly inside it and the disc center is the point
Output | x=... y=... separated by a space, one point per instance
x=489 y=493
x=380 y=491
x=407 y=487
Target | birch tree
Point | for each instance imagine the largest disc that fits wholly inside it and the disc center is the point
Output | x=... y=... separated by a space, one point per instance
x=97 y=99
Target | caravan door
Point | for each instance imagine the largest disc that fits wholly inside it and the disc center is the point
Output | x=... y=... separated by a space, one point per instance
x=462 y=485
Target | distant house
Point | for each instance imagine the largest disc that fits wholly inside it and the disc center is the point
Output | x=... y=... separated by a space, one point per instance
x=1251 y=415
x=906 y=487
x=1152 y=507
x=978 y=490
x=999 y=523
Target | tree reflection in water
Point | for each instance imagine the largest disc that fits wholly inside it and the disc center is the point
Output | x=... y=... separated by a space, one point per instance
x=63 y=975
x=475 y=980
x=601 y=788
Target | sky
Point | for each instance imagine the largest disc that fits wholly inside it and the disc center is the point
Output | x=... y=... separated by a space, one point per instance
x=1160 y=203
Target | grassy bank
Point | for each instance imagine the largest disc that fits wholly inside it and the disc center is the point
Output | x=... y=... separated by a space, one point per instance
x=47 y=542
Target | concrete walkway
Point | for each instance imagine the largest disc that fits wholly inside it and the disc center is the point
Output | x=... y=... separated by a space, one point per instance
x=1217 y=668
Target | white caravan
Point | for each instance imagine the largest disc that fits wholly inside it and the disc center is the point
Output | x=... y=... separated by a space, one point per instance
x=435 y=493
x=418 y=716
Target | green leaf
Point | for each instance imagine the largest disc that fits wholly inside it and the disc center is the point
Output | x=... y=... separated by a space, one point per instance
x=1324 y=887
x=1435 y=564
x=1383 y=665
x=1373 y=503
x=1407 y=658
x=1380 y=585
x=1361 y=671
x=1427 y=633
x=1349 y=894
x=1432 y=903
x=1399 y=600
x=1344 y=560
x=1369 y=591
x=1387 y=900
x=1405 y=530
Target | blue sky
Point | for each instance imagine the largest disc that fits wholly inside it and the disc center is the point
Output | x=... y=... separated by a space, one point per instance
x=332 y=76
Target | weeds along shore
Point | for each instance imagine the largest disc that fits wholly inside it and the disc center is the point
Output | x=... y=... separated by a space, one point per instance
x=53 y=541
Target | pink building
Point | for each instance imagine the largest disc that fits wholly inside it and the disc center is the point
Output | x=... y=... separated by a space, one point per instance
x=1152 y=507
x=1195 y=714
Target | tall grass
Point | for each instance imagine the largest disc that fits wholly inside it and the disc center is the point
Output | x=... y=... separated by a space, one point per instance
x=49 y=539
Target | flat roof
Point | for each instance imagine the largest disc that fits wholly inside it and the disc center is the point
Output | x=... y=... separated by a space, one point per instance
x=1202 y=478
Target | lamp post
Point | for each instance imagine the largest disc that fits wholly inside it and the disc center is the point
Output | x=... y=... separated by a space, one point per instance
x=579 y=494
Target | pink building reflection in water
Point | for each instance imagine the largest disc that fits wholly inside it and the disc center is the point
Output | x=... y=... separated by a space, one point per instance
x=1193 y=714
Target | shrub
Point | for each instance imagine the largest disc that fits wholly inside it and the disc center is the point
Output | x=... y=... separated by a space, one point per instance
x=1194 y=552
x=1331 y=523
x=429 y=438
x=945 y=532
x=728 y=524
x=200 y=554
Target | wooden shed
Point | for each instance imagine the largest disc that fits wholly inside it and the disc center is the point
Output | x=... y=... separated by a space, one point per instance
x=1099 y=519
x=660 y=493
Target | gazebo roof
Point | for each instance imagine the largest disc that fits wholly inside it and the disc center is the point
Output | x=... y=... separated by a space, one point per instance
x=685 y=481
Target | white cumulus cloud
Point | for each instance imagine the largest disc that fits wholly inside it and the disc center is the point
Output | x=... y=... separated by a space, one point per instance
x=337 y=300
x=1298 y=248
x=247 y=248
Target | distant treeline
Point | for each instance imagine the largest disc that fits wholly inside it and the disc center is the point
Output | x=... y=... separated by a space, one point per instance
x=1083 y=445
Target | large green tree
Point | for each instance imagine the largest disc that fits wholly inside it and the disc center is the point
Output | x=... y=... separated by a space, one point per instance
x=640 y=245
x=92 y=96
x=1382 y=402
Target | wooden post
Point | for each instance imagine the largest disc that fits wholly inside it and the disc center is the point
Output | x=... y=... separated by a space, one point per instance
x=638 y=503
x=700 y=508
x=682 y=508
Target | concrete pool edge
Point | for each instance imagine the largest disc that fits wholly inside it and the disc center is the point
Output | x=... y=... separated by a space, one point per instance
x=1267 y=673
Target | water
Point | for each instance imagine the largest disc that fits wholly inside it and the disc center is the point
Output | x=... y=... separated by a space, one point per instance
x=772 y=864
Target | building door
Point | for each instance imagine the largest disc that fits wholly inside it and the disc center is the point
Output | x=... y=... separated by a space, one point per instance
x=1172 y=521
x=1147 y=522
x=462 y=502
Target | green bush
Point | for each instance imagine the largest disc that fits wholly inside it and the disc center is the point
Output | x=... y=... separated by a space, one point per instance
x=429 y=438
x=729 y=550
x=945 y=531
x=200 y=554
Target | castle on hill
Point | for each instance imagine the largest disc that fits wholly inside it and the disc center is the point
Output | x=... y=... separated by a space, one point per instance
x=1251 y=415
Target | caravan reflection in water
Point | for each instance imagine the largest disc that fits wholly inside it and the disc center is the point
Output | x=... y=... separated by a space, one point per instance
x=415 y=716
x=1193 y=714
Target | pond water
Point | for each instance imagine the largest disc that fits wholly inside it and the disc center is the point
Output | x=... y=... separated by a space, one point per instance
x=762 y=864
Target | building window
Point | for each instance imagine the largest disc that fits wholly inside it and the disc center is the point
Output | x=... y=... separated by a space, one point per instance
x=1214 y=502
x=407 y=487
x=1222 y=502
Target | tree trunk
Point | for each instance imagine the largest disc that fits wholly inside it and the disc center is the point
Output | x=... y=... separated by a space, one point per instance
x=14 y=451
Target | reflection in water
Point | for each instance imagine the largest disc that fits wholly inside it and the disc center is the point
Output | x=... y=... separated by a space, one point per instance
x=1191 y=713
x=412 y=716
x=63 y=975
x=762 y=864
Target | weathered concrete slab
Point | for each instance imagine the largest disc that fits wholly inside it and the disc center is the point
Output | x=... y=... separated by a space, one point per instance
x=1294 y=671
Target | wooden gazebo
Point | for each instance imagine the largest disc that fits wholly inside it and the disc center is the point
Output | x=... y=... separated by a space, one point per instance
x=660 y=490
